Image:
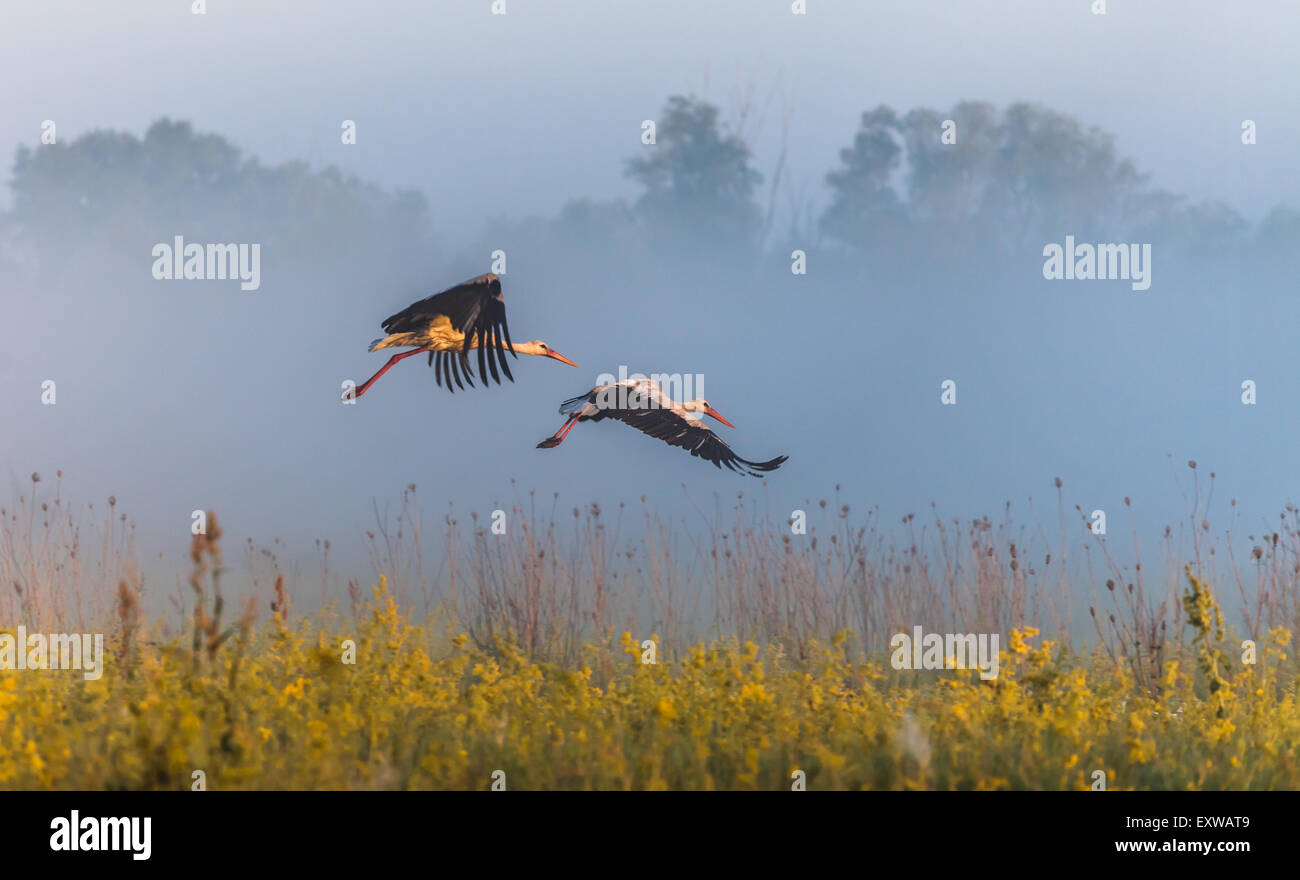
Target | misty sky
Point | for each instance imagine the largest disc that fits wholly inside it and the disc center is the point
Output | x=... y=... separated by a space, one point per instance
x=510 y=116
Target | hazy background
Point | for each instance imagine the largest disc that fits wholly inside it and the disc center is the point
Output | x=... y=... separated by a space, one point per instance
x=523 y=132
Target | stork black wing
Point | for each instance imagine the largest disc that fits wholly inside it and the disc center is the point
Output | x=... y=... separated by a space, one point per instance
x=476 y=308
x=676 y=430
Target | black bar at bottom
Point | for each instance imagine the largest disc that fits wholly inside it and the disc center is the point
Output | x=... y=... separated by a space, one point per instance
x=335 y=829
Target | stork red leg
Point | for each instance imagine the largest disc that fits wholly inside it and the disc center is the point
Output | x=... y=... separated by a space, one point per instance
x=388 y=366
x=569 y=427
x=558 y=437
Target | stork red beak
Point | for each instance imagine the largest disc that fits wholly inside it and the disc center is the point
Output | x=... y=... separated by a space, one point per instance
x=560 y=357
x=717 y=415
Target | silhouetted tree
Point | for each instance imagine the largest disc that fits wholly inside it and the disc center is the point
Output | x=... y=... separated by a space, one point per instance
x=122 y=193
x=1278 y=236
x=699 y=187
x=1009 y=182
x=864 y=205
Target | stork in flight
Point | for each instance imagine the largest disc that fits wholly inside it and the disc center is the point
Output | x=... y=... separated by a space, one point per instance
x=643 y=404
x=448 y=325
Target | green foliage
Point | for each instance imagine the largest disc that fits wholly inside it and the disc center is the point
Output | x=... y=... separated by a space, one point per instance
x=1204 y=617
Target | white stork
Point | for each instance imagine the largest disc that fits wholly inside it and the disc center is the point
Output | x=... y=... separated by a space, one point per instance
x=643 y=404
x=448 y=325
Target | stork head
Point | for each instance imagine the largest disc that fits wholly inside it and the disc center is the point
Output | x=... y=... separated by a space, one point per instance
x=700 y=405
x=541 y=349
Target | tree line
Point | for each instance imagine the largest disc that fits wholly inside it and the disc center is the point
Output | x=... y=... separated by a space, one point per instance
x=972 y=181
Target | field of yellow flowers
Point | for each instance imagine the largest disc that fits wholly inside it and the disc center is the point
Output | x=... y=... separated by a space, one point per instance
x=518 y=676
x=420 y=708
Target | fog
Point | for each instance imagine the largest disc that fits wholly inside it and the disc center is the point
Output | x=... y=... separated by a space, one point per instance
x=521 y=134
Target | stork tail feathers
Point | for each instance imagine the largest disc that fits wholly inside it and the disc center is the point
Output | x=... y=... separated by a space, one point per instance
x=573 y=403
x=764 y=466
